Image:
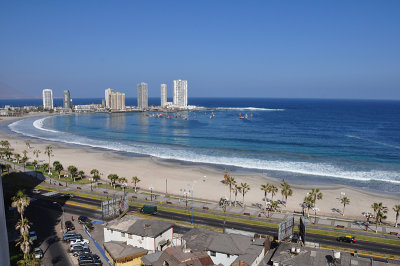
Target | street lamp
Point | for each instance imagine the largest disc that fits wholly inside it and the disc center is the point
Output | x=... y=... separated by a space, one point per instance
x=62 y=214
x=367 y=215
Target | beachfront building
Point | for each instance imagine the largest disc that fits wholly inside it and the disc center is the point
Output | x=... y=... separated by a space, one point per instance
x=163 y=95
x=48 y=99
x=4 y=253
x=180 y=93
x=107 y=97
x=117 y=101
x=151 y=235
x=120 y=254
x=67 y=102
x=227 y=249
x=177 y=256
x=142 y=96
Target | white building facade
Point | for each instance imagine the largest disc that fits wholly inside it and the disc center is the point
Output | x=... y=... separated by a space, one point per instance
x=107 y=97
x=163 y=95
x=142 y=96
x=180 y=93
x=48 y=99
x=67 y=102
x=117 y=101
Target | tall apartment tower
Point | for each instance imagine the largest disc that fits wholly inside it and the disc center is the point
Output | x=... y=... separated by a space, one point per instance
x=142 y=96
x=117 y=101
x=163 y=95
x=180 y=93
x=47 y=99
x=108 y=97
x=67 y=102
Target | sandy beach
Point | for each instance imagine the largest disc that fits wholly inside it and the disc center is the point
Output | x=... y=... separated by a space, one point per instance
x=154 y=174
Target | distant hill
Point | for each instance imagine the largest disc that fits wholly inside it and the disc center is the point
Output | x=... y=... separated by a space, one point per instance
x=8 y=92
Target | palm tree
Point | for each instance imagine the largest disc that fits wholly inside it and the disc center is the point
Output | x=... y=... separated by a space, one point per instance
x=396 y=209
x=36 y=153
x=236 y=189
x=73 y=171
x=95 y=177
x=24 y=152
x=244 y=188
x=308 y=201
x=28 y=143
x=24 y=159
x=315 y=195
x=25 y=242
x=230 y=181
x=345 y=201
x=113 y=178
x=34 y=163
x=379 y=212
x=265 y=188
x=122 y=181
x=81 y=174
x=20 y=201
x=49 y=152
x=5 y=144
x=135 y=180
x=273 y=190
x=8 y=166
x=58 y=167
x=17 y=157
x=286 y=190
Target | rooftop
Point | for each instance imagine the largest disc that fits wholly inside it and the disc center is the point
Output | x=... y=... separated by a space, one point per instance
x=138 y=226
x=178 y=256
x=118 y=250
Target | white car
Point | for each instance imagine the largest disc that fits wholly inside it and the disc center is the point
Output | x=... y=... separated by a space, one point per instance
x=83 y=241
x=35 y=191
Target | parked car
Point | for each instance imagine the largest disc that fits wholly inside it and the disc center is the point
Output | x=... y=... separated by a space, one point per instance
x=77 y=246
x=89 y=226
x=72 y=237
x=83 y=241
x=69 y=226
x=79 y=250
x=83 y=220
x=348 y=239
x=38 y=252
x=33 y=236
x=89 y=259
x=149 y=209
x=36 y=191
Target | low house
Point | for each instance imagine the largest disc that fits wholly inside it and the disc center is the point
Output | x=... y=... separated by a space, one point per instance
x=120 y=254
x=148 y=234
x=177 y=256
x=227 y=249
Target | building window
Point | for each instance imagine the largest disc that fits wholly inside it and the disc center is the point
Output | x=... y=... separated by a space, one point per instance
x=228 y=256
x=129 y=236
x=165 y=263
x=213 y=253
x=122 y=234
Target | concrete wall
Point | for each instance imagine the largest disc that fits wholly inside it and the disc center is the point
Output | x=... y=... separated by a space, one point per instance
x=4 y=252
x=134 y=262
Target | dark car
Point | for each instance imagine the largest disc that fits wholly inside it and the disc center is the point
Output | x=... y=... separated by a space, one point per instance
x=69 y=237
x=38 y=252
x=84 y=220
x=80 y=250
x=69 y=226
x=348 y=239
x=149 y=209
x=89 y=259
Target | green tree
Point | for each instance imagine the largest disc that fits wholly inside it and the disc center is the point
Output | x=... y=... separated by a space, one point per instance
x=379 y=213
x=35 y=164
x=308 y=202
x=122 y=181
x=81 y=174
x=396 y=209
x=17 y=157
x=244 y=188
x=21 y=201
x=58 y=167
x=345 y=201
x=286 y=191
x=5 y=144
x=8 y=154
x=315 y=195
x=73 y=171
x=49 y=152
x=36 y=153
x=135 y=180
x=113 y=178
x=95 y=177
x=24 y=160
x=273 y=189
x=229 y=181
x=45 y=166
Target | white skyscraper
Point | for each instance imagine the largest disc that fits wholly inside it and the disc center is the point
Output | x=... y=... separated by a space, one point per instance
x=142 y=96
x=108 y=97
x=47 y=99
x=117 y=101
x=180 y=93
x=163 y=95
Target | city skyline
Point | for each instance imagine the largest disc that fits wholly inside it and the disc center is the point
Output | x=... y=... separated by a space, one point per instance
x=263 y=49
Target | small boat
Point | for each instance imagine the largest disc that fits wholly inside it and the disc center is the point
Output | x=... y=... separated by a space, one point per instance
x=246 y=116
x=241 y=117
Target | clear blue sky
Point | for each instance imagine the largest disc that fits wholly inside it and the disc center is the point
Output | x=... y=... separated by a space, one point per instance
x=307 y=49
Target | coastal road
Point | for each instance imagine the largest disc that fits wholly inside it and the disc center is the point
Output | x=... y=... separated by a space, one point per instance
x=322 y=239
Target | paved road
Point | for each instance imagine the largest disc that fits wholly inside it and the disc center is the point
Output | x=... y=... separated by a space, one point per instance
x=361 y=245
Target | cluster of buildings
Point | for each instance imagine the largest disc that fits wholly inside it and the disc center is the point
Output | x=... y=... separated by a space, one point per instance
x=114 y=101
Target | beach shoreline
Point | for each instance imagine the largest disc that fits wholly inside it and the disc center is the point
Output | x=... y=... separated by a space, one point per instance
x=154 y=172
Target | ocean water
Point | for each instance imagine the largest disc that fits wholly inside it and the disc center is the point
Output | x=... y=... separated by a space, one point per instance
x=350 y=142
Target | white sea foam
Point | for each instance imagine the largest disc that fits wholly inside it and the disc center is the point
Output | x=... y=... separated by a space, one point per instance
x=373 y=141
x=192 y=155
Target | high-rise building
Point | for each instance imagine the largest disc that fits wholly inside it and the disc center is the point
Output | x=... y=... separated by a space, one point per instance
x=47 y=99
x=180 y=93
x=142 y=96
x=163 y=95
x=107 y=97
x=67 y=102
x=4 y=253
x=117 y=101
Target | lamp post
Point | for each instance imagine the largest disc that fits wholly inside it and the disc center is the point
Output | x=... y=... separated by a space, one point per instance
x=151 y=193
x=367 y=215
x=62 y=214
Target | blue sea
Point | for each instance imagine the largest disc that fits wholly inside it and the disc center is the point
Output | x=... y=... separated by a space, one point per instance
x=305 y=141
